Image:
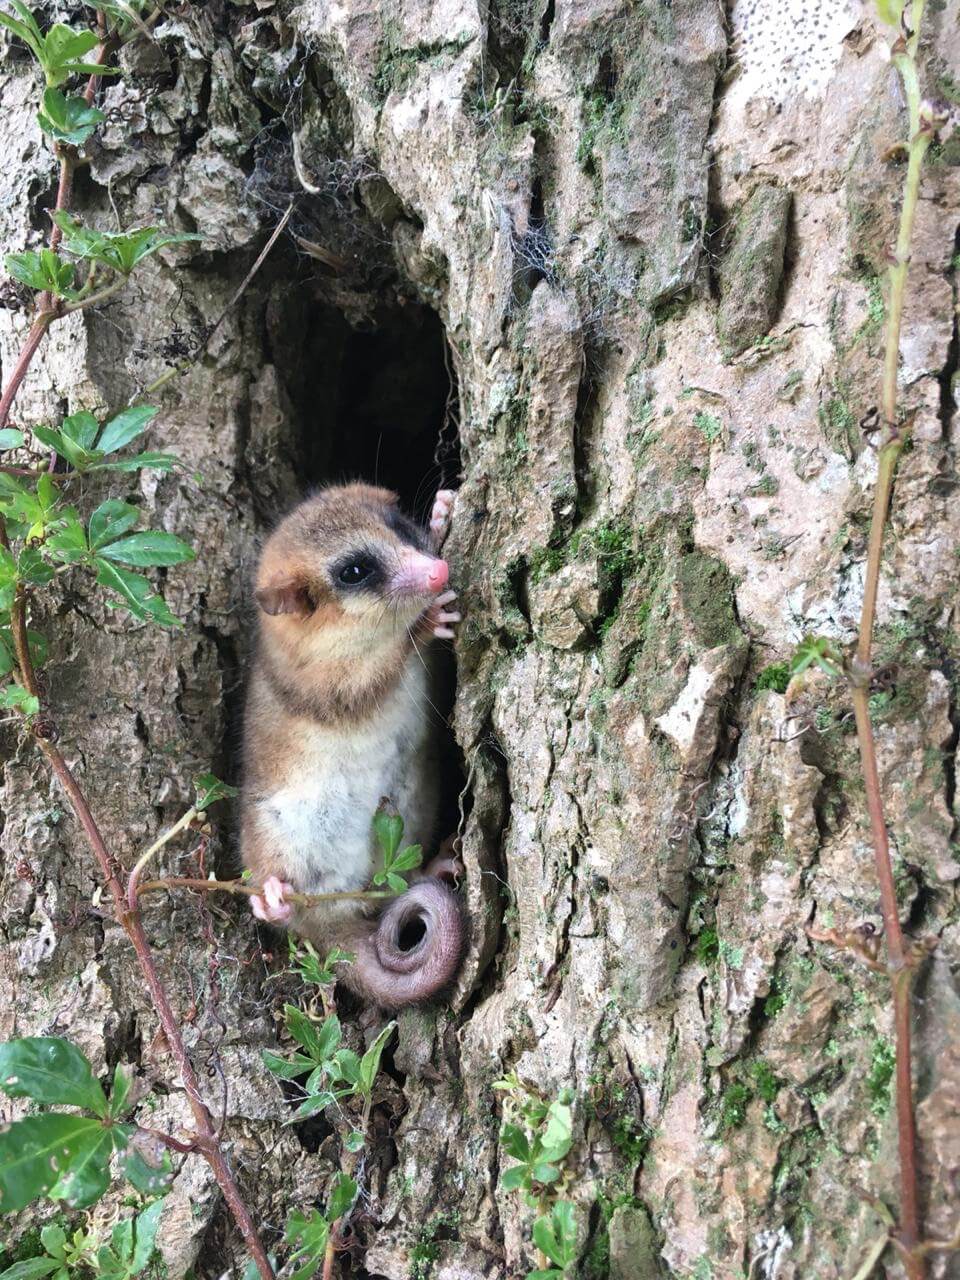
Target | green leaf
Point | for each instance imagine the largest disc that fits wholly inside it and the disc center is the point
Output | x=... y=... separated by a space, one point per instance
x=287 y=1068
x=354 y=1141
x=345 y=1065
x=68 y=542
x=110 y=520
x=158 y=461
x=54 y=1240
x=407 y=858
x=551 y=1274
x=147 y=1178
x=557 y=1136
x=515 y=1142
x=30 y=1268
x=15 y=698
x=68 y=119
x=28 y=31
x=302 y=1030
x=50 y=1069
x=514 y=1177
x=10 y=438
x=341 y=1197
x=75 y=454
x=42 y=270
x=556 y=1235
x=316 y=1102
x=370 y=1062
x=890 y=11
x=87 y=1176
x=396 y=883
x=328 y=1037
x=120 y=250
x=122 y=1083
x=82 y=428
x=148 y=549
x=8 y=567
x=818 y=651
x=210 y=789
x=309 y=1236
x=126 y=426
x=146 y=1234
x=388 y=828
x=32 y=568
x=35 y=1152
x=136 y=593
x=543 y=1172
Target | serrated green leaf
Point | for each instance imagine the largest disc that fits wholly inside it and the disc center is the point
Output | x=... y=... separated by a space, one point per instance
x=50 y=1069
x=309 y=1236
x=341 y=1197
x=556 y=1235
x=11 y=438
x=396 y=883
x=328 y=1037
x=209 y=789
x=515 y=1142
x=111 y=519
x=68 y=541
x=370 y=1062
x=126 y=426
x=68 y=119
x=149 y=549
x=36 y=1151
x=136 y=593
x=42 y=270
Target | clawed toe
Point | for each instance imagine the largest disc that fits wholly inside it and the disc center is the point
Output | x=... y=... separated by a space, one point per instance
x=441 y=513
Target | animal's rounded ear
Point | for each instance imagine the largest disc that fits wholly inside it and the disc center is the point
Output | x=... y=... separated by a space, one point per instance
x=286 y=595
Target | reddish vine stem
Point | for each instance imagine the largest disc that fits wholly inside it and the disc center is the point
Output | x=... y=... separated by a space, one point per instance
x=901 y=960
x=206 y=1140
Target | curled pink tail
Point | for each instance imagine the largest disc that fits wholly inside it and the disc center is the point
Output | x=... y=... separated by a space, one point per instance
x=414 y=950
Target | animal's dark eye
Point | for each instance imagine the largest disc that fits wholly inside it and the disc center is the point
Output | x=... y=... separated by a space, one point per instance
x=356 y=572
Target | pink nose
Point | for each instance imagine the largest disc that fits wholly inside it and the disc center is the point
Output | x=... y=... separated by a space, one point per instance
x=438 y=576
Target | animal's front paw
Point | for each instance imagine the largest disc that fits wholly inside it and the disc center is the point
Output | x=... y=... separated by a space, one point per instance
x=271 y=906
x=439 y=619
x=441 y=515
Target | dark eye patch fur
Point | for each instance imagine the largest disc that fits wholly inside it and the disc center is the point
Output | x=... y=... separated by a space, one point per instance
x=374 y=578
x=405 y=529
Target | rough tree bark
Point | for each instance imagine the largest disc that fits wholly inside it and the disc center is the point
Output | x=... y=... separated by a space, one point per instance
x=654 y=236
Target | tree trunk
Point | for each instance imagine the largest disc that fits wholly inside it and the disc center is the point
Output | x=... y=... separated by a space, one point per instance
x=616 y=270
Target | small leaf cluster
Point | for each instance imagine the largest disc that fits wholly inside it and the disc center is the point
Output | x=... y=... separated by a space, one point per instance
x=130 y=1249
x=209 y=789
x=555 y=1235
x=307 y=965
x=63 y=1155
x=334 y=1072
x=309 y=1233
x=817 y=651
x=388 y=829
x=60 y=51
x=48 y=536
x=116 y=252
x=540 y=1145
x=539 y=1136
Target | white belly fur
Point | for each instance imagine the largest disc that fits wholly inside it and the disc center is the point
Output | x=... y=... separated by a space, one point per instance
x=320 y=822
